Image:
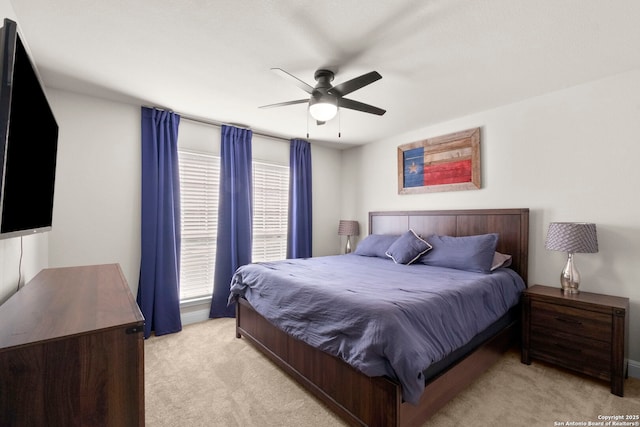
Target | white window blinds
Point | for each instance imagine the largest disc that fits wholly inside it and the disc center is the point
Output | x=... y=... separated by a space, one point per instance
x=199 y=186
x=270 y=211
x=199 y=183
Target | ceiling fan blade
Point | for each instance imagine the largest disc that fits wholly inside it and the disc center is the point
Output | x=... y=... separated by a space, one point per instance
x=302 y=85
x=360 y=106
x=355 y=84
x=282 y=104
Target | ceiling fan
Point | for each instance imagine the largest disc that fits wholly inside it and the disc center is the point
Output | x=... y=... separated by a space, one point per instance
x=325 y=98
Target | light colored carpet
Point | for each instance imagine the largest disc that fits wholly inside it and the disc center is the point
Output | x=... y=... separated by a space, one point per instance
x=204 y=376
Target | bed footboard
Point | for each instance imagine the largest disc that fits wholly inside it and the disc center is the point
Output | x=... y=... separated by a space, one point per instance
x=353 y=396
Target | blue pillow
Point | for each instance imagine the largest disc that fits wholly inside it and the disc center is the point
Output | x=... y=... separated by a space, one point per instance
x=469 y=253
x=375 y=245
x=407 y=248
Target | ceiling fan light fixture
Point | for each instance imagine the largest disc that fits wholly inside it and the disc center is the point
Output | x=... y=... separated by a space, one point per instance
x=324 y=108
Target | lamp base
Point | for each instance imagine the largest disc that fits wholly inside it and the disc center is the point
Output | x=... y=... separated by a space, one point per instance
x=570 y=277
x=347 y=249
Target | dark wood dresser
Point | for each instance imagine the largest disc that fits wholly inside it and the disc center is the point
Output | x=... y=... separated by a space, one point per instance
x=584 y=332
x=72 y=351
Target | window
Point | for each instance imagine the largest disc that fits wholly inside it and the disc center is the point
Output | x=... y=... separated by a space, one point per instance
x=270 y=211
x=199 y=182
x=199 y=186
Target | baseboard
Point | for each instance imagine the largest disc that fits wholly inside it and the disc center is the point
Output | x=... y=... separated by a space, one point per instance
x=634 y=369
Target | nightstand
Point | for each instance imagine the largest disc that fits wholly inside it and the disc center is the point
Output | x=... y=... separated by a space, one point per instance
x=584 y=332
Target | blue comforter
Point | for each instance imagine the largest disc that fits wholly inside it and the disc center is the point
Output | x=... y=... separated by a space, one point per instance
x=384 y=319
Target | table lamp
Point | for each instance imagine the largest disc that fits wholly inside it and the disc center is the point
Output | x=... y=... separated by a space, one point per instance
x=348 y=228
x=571 y=237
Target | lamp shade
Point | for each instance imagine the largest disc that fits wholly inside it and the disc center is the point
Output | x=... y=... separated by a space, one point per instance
x=572 y=237
x=348 y=228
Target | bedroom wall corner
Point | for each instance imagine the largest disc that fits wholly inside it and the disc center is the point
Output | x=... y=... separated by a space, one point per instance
x=354 y=174
x=327 y=184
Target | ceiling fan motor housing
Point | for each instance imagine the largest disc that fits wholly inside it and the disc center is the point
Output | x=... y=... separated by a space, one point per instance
x=324 y=77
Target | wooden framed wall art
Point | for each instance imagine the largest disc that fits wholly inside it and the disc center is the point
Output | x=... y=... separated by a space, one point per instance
x=443 y=163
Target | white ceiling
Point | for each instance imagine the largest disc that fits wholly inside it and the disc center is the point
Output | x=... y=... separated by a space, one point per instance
x=440 y=59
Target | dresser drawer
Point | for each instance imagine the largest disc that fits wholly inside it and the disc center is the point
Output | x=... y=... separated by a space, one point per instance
x=574 y=321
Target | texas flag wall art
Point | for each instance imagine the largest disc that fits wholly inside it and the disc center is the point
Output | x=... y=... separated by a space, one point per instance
x=444 y=163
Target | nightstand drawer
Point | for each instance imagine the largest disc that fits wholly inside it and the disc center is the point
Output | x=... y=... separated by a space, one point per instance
x=574 y=321
x=570 y=350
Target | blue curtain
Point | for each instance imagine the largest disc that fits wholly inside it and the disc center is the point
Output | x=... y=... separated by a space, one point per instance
x=299 y=236
x=235 y=214
x=158 y=286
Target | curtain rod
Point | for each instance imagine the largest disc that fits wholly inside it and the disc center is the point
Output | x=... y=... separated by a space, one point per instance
x=220 y=124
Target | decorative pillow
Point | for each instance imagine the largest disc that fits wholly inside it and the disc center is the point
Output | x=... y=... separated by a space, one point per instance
x=500 y=260
x=375 y=245
x=407 y=248
x=469 y=253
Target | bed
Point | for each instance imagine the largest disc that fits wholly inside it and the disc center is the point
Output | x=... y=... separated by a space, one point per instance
x=362 y=399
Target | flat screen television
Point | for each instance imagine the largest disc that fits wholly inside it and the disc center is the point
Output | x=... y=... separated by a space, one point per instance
x=28 y=142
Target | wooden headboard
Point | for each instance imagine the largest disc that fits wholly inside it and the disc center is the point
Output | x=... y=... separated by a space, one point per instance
x=512 y=225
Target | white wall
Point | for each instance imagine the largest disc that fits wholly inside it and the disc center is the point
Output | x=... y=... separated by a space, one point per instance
x=21 y=258
x=568 y=156
x=327 y=185
x=96 y=216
